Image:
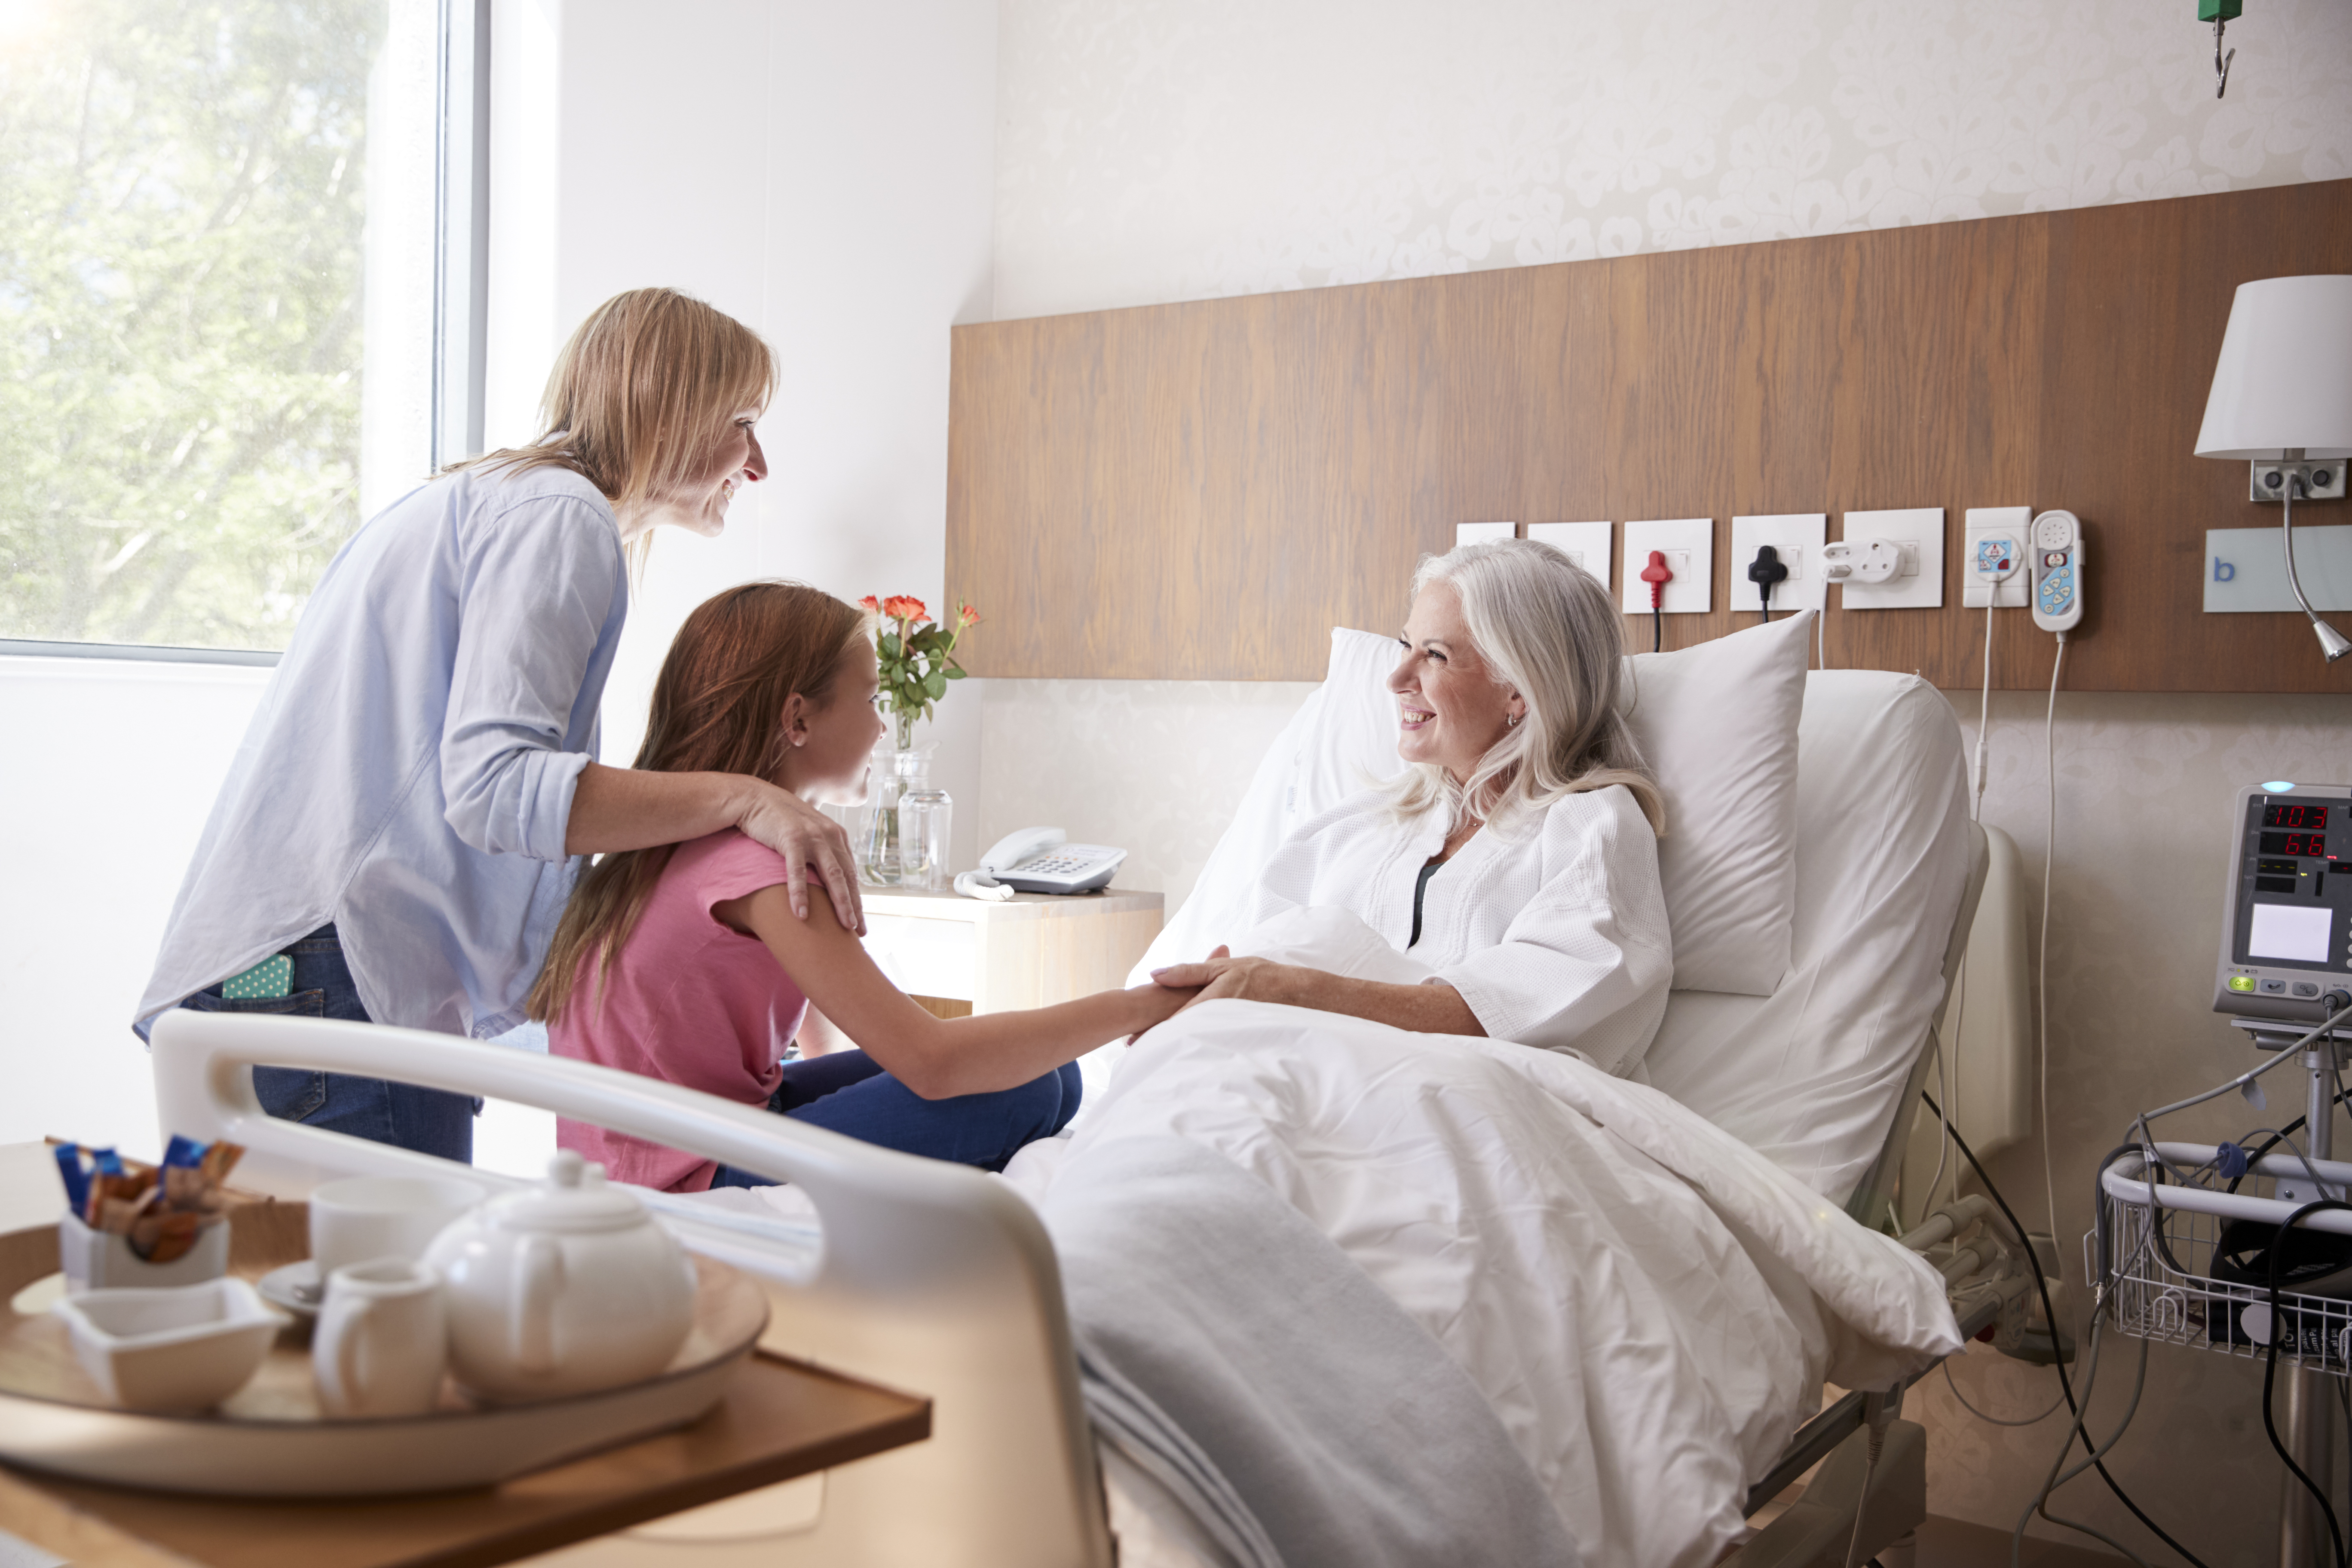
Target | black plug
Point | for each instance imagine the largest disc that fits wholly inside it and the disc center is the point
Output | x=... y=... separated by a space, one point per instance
x=1764 y=572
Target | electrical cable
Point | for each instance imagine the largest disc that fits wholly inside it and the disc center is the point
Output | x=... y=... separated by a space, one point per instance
x=1657 y=575
x=2043 y=1503
x=2270 y=1372
x=2049 y=1315
x=1995 y=1420
x=2042 y=966
x=1984 y=712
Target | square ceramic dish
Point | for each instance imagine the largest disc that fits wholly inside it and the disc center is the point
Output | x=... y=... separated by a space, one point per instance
x=97 y=1260
x=171 y=1350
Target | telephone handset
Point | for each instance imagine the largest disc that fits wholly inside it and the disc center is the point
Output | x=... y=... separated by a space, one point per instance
x=1042 y=860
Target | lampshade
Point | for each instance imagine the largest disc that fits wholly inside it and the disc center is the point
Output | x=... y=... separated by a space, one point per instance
x=2285 y=378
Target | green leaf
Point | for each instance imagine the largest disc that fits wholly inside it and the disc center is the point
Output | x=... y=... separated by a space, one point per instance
x=935 y=685
x=955 y=673
x=888 y=647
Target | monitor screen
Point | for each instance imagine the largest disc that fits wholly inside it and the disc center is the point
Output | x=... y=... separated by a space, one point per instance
x=2295 y=932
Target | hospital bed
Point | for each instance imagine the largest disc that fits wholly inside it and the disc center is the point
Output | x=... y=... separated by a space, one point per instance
x=940 y=1280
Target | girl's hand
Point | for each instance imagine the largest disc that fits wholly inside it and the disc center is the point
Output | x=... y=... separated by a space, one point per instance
x=805 y=837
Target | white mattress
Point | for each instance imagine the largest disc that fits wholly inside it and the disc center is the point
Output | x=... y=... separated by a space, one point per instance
x=1810 y=1076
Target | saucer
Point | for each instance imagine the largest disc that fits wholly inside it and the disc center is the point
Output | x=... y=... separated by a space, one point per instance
x=293 y=1287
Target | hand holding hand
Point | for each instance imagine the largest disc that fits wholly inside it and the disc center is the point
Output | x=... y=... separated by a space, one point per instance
x=805 y=837
x=1222 y=975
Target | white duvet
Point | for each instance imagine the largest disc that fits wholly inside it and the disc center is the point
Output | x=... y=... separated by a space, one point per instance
x=1650 y=1307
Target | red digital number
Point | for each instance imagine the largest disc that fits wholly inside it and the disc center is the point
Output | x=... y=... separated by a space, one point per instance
x=2301 y=844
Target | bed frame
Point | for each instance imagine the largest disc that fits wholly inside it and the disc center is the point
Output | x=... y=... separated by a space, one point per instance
x=925 y=1276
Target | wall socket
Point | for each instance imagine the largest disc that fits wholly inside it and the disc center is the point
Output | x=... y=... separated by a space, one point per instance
x=1589 y=544
x=2322 y=479
x=1918 y=534
x=1688 y=544
x=1798 y=538
x=1987 y=523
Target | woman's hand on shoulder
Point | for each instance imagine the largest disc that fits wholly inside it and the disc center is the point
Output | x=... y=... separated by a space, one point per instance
x=805 y=837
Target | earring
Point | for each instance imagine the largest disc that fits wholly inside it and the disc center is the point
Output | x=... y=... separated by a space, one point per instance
x=1512 y=722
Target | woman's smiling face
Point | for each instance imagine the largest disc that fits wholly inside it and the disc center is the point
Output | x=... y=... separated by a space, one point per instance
x=1450 y=708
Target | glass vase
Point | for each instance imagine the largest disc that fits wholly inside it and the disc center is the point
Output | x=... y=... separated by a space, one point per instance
x=923 y=815
x=878 y=848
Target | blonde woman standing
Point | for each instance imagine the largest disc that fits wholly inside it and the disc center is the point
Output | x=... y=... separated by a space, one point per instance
x=405 y=817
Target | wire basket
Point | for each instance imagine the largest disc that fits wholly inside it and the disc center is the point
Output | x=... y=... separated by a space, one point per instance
x=2160 y=1258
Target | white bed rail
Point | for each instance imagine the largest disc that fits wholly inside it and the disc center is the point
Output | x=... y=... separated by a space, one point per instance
x=930 y=1277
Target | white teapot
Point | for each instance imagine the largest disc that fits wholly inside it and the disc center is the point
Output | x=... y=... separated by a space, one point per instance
x=567 y=1287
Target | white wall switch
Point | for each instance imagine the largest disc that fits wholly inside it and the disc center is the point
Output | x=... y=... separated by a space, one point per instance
x=1688 y=544
x=1797 y=537
x=1589 y=544
x=1918 y=534
x=1479 y=532
x=1994 y=533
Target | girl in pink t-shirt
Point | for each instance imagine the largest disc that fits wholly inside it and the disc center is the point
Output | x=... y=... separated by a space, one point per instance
x=686 y=962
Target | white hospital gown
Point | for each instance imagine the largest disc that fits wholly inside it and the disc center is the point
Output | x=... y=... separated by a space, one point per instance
x=1556 y=935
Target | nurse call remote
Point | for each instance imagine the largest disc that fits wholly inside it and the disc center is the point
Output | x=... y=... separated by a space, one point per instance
x=2054 y=550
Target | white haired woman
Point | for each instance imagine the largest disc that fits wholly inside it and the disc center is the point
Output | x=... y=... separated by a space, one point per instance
x=1516 y=856
x=418 y=789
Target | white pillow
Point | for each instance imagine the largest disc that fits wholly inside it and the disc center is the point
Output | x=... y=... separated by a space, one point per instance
x=1718 y=724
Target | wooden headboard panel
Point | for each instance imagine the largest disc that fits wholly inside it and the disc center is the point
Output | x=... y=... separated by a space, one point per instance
x=1198 y=491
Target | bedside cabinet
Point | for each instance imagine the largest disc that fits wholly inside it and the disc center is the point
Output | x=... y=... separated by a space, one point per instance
x=960 y=955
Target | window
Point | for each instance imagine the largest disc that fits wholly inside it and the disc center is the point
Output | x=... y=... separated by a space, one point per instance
x=224 y=302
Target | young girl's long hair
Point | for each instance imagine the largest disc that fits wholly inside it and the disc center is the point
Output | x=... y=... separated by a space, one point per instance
x=1549 y=631
x=718 y=707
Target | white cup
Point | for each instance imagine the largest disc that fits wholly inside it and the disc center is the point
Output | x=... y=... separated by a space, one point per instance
x=362 y=1217
x=382 y=1339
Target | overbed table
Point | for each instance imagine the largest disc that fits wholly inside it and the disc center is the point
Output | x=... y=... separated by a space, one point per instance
x=781 y=1419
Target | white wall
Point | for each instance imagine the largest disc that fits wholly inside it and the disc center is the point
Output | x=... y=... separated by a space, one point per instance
x=1151 y=153
x=823 y=173
x=111 y=767
x=1175 y=150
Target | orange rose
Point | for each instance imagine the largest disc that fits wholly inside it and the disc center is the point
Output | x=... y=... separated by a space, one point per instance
x=901 y=607
x=869 y=606
x=966 y=616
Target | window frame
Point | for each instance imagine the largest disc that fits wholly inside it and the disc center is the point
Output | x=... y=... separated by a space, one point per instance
x=461 y=274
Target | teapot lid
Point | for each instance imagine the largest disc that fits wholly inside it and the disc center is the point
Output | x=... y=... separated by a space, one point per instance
x=575 y=1198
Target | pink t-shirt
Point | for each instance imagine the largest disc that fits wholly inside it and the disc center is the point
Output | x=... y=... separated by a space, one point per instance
x=690 y=1001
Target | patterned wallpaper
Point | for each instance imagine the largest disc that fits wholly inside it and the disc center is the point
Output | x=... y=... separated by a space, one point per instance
x=1160 y=149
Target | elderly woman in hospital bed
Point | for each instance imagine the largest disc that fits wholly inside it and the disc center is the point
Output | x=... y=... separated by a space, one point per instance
x=1511 y=871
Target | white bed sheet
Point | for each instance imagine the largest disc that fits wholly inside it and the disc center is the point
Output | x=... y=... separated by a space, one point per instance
x=1648 y=1306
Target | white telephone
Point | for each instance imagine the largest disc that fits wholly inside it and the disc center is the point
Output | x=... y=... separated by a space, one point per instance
x=1042 y=860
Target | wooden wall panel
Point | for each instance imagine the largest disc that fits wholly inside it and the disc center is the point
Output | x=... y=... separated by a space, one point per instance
x=1198 y=491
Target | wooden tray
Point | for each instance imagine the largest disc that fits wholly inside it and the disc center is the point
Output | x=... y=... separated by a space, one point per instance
x=270 y=1439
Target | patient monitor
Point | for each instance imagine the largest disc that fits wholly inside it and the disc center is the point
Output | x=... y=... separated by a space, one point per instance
x=2286 y=932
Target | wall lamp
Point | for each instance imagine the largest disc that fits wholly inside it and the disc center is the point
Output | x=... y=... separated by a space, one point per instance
x=2282 y=398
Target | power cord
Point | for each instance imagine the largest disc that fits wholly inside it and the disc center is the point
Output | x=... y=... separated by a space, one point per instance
x=2050 y=1315
x=2041 y=964
x=1767 y=571
x=1657 y=575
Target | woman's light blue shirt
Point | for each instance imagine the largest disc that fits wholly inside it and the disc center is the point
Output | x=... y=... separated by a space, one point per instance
x=410 y=771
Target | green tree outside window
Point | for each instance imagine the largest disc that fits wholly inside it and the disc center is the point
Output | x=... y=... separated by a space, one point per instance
x=182 y=199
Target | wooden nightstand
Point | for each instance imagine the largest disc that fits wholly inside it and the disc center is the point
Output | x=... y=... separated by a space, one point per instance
x=1031 y=951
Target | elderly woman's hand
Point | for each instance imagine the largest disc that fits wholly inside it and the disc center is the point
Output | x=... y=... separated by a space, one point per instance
x=1222 y=975
x=1432 y=1007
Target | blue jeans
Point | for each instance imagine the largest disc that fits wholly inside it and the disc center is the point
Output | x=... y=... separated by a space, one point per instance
x=427 y=1121
x=848 y=1092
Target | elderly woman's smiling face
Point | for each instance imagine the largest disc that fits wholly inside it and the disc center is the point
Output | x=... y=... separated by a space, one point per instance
x=1450 y=708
